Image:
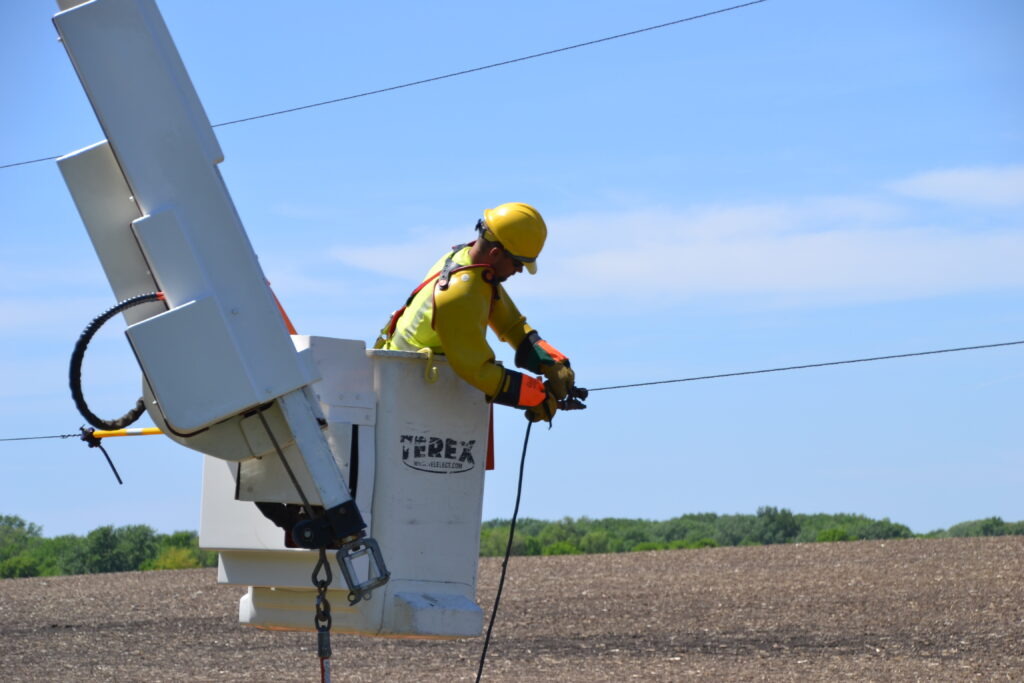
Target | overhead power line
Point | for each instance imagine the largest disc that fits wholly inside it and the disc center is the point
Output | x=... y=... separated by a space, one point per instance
x=33 y=161
x=456 y=73
x=491 y=66
x=803 y=367
x=33 y=438
x=694 y=379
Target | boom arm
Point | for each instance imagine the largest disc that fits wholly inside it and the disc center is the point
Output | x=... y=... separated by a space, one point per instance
x=160 y=218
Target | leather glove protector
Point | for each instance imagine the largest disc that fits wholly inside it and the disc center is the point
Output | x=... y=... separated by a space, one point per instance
x=561 y=379
x=536 y=355
x=545 y=410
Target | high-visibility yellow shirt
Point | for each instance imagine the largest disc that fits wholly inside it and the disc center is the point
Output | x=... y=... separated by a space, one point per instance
x=454 y=322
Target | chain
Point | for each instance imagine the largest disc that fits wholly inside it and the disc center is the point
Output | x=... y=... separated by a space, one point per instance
x=322 y=619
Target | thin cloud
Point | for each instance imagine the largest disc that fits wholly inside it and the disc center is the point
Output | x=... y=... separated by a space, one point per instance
x=985 y=186
x=839 y=266
x=817 y=251
x=405 y=260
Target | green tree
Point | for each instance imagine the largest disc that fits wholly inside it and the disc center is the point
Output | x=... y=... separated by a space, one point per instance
x=179 y=539
x=734 y=529
x=123 y=549
x=557 y=532
x=525 y=545
x=173 y=557
x=775 y=526
x=136 y=544
x=648 y=545
x=16 y=535
x=597 y=541
x=65 y=555
x=990 y=526
x=686 y=528
x=692 y=544
x=493 y=541
x=879 y=529
x=561 y=548
x=100 y=552
x=20 y=566
x=179 y=550
x=832 y=535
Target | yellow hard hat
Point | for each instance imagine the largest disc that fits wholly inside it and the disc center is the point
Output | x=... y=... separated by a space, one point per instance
x=520 y=229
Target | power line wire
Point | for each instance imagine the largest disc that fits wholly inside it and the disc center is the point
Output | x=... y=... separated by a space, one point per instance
x=720 y=376
x=811 y=365
x=491 y=66
x=32 y=438
x=26 y=163
x=456 y=73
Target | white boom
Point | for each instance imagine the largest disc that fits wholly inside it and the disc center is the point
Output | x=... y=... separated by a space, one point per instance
x=221 y=350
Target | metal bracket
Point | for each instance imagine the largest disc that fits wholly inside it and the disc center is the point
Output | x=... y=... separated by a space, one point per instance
x=378 y=573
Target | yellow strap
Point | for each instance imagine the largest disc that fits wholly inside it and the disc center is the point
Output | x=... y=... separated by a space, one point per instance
x=430 y=371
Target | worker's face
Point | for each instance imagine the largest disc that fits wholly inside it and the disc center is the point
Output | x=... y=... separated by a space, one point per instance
x=504 y=264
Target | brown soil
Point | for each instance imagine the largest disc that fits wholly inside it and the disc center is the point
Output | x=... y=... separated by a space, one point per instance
x=921 y=610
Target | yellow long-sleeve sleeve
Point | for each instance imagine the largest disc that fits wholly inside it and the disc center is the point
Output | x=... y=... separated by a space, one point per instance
x=461 y=314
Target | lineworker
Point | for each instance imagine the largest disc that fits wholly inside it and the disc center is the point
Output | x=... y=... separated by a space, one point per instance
x=463 y=294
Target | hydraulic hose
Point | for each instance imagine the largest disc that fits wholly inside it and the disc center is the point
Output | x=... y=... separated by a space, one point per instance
x=75 y=373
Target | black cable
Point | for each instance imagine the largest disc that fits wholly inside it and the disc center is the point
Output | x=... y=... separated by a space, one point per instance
x=802 y=367
x=95 y=442
x=110 y=462
x=457 y=73
x=78 y=355
x=508 y=553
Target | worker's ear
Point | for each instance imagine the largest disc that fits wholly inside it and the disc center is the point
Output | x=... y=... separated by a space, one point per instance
x=494 y=254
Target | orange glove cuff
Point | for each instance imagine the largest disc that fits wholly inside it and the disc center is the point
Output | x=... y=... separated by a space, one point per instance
x=520 y=391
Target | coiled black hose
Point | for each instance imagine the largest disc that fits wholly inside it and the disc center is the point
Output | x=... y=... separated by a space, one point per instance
x=75 y=373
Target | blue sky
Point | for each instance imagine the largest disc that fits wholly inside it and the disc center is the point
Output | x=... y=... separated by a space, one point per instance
x=794 y=182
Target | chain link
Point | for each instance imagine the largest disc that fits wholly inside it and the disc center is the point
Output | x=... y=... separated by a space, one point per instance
x=322 y=578
x=322 y=620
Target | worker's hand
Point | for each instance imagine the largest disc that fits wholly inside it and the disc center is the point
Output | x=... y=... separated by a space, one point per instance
x=545 y=410
x=561 y=378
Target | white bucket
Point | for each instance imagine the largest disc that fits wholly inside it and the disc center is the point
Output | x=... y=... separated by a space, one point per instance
x=423 y=454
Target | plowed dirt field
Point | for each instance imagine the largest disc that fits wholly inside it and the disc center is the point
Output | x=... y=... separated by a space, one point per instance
x=913 y=610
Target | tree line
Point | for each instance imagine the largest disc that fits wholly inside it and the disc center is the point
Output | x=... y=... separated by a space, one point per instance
x=24 y=552
x=770 y=525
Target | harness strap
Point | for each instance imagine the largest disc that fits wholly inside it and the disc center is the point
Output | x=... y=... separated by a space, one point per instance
x=389 y=330
x=487 y=275
x=445 y=275
x=443 y=278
